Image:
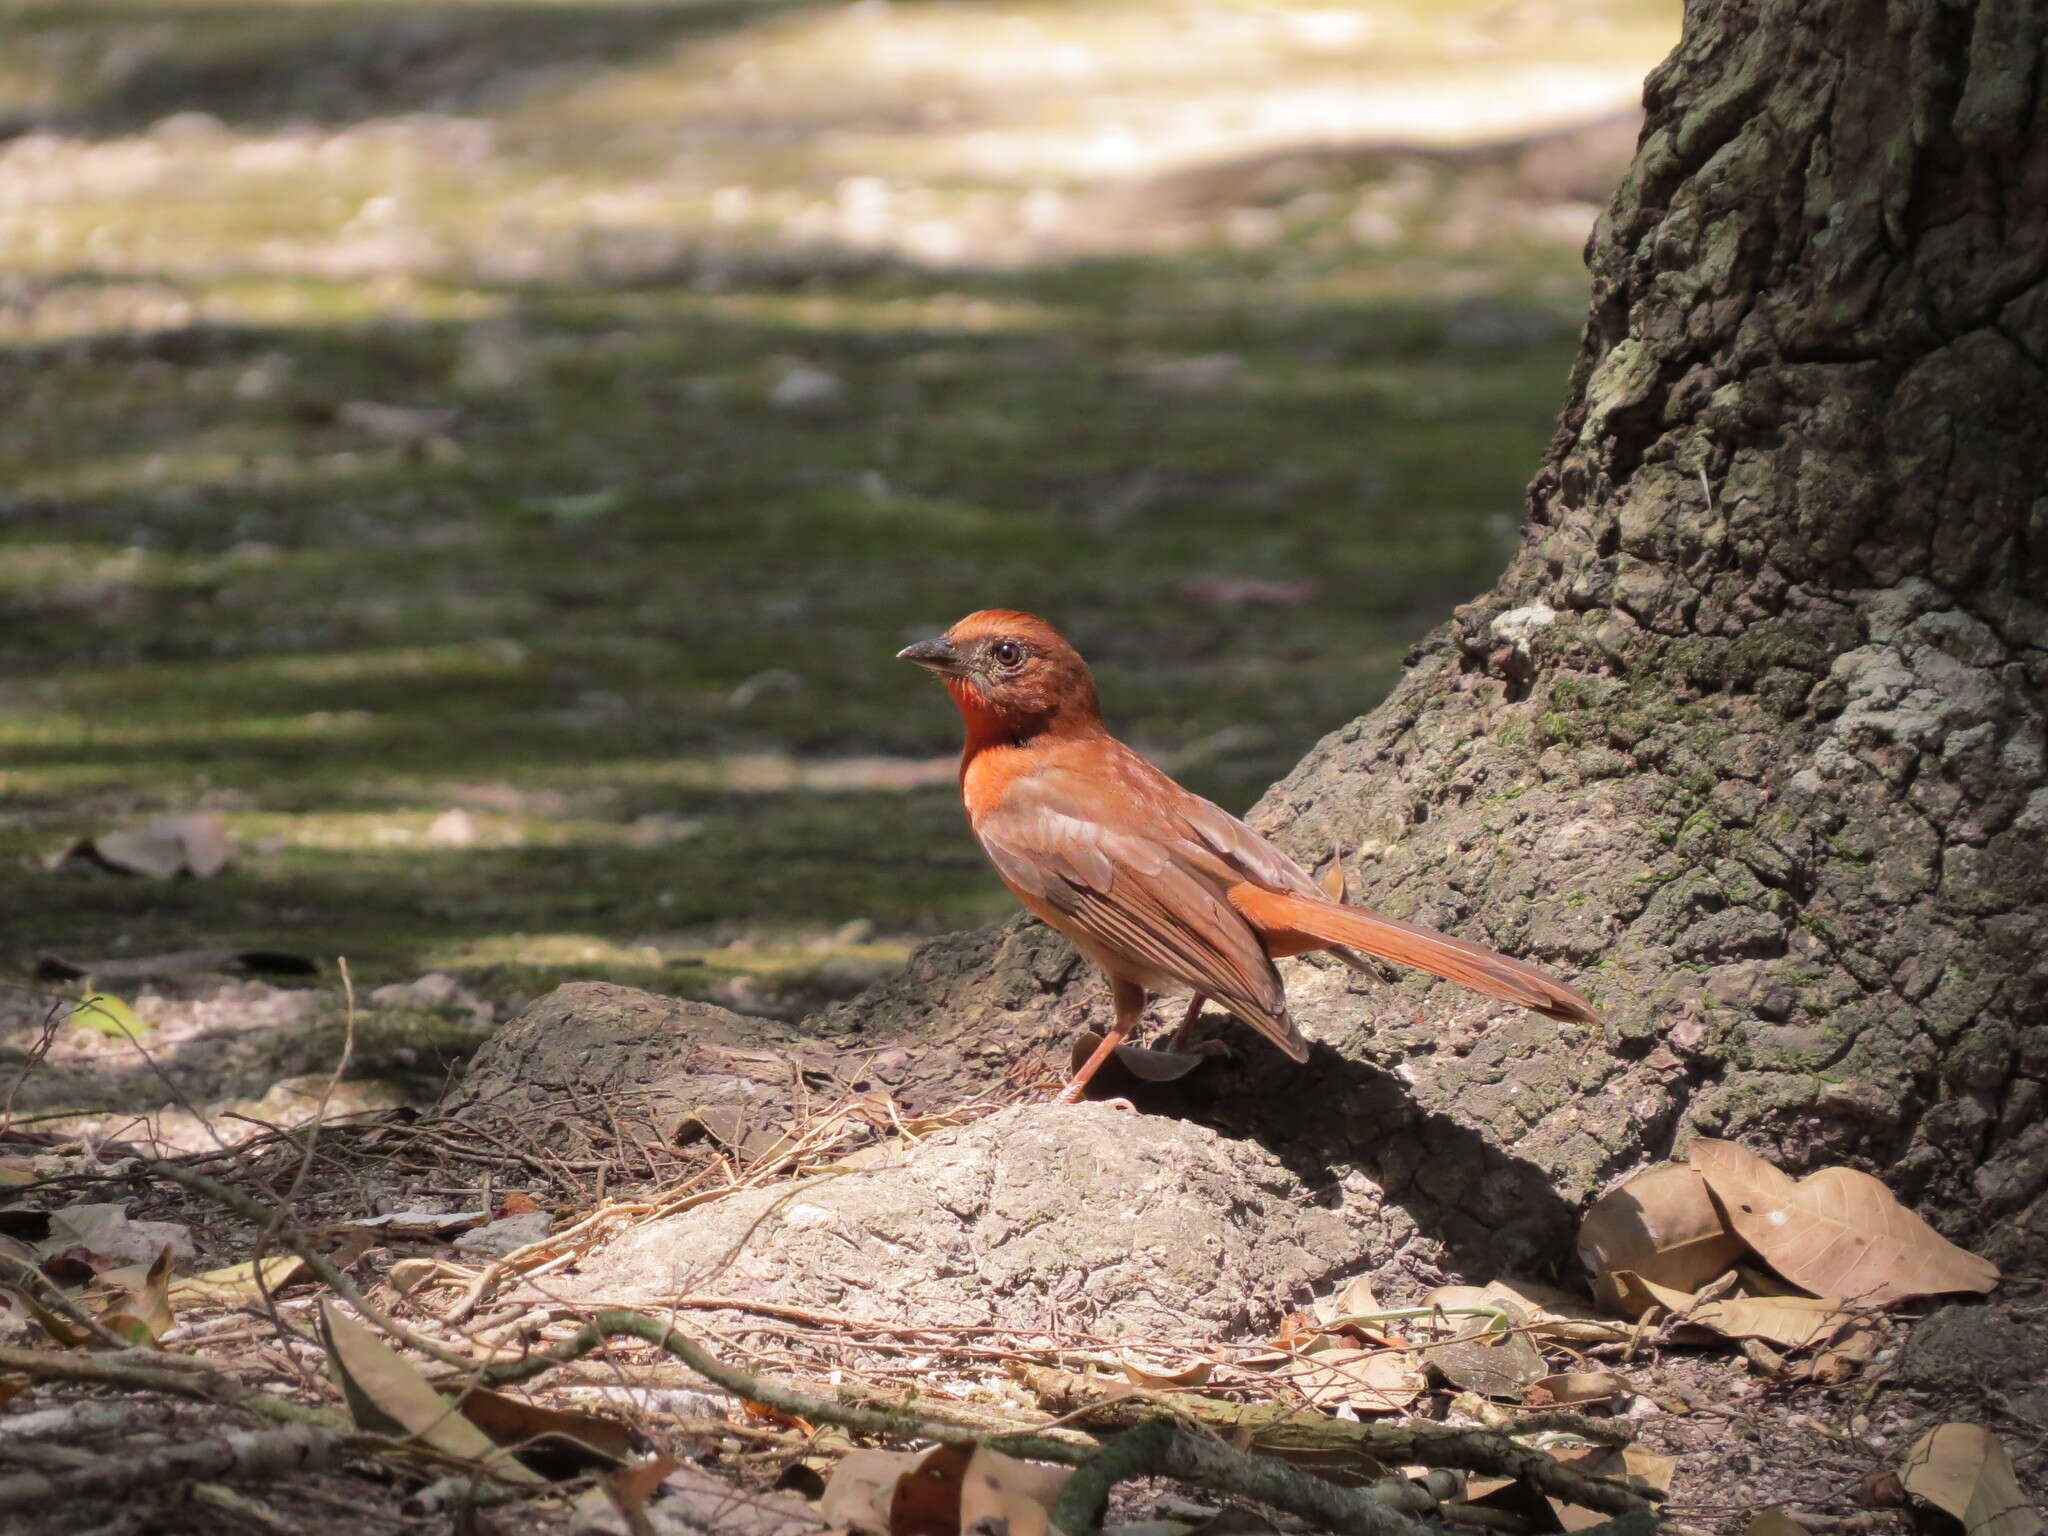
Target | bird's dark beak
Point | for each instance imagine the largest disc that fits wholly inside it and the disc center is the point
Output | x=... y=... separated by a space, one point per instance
x=936 y=653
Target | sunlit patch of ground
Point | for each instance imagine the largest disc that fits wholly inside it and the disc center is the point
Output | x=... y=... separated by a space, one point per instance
x=490 y=452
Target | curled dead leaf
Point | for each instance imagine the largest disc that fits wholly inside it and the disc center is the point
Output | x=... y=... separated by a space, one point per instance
x=1550 y=1312
x=1370 y=1381
x=1838 y=1232
x=1630 y=1464
x=1354 y=1302
x=557 y=1443
x=927 y=1497
x=857 y=1495
x=240 y=1282
x=1570 y=1387
x=1161 y=1374
x=1662 y=1225
x=1001 y=1493
x=1790 y=1322
x=386 y=1394
x=1963 y=1469
x=141 y=1313
x=192 y=844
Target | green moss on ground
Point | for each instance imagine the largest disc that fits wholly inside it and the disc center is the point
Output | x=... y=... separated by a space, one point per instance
x=623 y=611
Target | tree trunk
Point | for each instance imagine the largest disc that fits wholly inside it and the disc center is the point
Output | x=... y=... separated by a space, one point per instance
x=1748 y=741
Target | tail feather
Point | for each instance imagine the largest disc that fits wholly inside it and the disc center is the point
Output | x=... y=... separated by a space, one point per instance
x=1285 y=916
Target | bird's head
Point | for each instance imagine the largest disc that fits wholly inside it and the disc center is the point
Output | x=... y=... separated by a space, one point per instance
x=1012 y=674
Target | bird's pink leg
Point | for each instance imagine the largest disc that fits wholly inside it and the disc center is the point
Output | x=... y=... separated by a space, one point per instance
x=1129 y=1000
x=1182 y=1040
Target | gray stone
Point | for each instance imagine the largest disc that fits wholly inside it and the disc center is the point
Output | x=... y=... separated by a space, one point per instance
x=1054 y=1217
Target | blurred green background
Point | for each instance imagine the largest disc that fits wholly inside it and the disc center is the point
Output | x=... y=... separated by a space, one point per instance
x=490 y=451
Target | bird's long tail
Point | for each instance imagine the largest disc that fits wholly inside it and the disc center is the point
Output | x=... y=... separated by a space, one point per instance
x=1294 y=924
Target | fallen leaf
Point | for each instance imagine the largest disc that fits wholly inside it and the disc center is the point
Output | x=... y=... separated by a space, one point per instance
x=1355 y=1302
x=1774 y=1522
x=420 y=1223
x=1159 y=1373
x=183 y=962
x=927 y=1497
x=1963 y=1469
x=1838 y=1232
x=192 y=844
x=1142 y=1062
x=387 y=1395
x=107 y=1232
x=1001 y=1493
x=557 y=1443
x=1630 y=1463
x=1552 y=1313
x=55 y=1324
x=105 y=1014
x=858 y=1493
x=1662 y=1225
x=1371 y=1381
x=240 y=1282
x=1493 y=1366
x=142 y=1313
x=1570 y=1387
x=632 y=1486
x=1791 y=1322
x=1843 y=1358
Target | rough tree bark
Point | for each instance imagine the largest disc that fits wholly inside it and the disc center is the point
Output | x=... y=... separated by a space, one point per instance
x=1749 y=737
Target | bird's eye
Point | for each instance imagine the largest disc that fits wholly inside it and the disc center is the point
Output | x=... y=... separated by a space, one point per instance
x=1007 y=654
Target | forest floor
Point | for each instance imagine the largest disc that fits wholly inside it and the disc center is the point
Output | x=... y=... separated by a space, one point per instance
x=485 y=453
x=488 y=453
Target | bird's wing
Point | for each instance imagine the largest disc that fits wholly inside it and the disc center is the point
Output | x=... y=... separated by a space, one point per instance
x=1128 y=885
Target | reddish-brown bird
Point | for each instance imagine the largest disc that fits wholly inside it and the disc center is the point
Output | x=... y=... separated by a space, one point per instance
x=1163 y=890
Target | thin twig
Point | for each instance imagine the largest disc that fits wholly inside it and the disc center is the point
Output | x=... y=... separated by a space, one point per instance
x=245 y=1453
x=250 y=1208
x=1160 y=1448
x=188 y=1378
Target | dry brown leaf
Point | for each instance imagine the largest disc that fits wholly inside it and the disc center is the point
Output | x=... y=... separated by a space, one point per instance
x=927 y=1497
x=192 y=844
x=410 y=1275
x=1791 y=1322
x=141 y=1314
x=240 y=1282
x=1013 y=1496
x=1371 y=1381
x=107 y=1232
x=1964 y=1470
x=557 y=1442
x=858 y=1492
x=1355 y=1300
x=1160 y=1373
x=387 y=1395
x=1628 y=1463
x=1662 y=1225
x=1552 y=1313
x=1569 y=1387
x=630 y=1487
x=1843 y=1358
x=1837 y=1232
